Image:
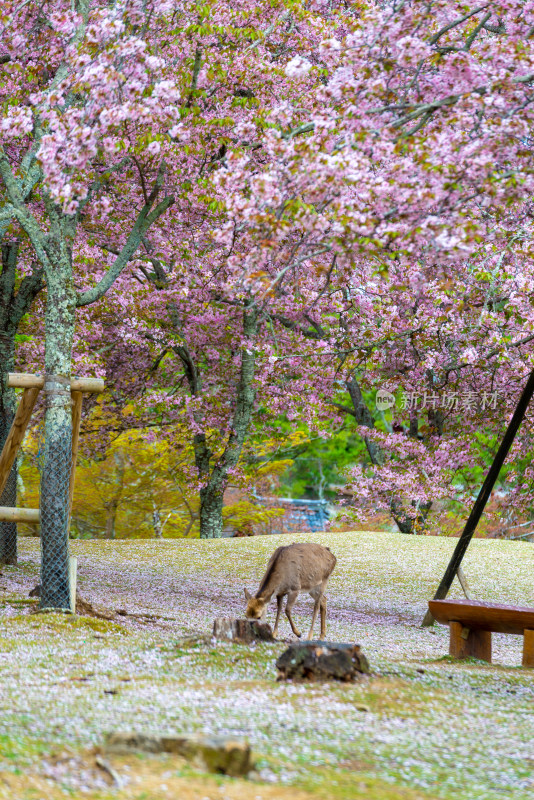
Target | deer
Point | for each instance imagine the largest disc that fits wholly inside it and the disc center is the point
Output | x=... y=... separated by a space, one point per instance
x=302 y=567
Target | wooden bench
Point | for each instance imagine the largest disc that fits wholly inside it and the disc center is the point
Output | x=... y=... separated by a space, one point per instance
x=471 y=624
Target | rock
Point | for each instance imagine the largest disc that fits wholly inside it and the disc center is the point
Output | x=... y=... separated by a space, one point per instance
x=218 y=754
x=242 y=631
x=322 y=661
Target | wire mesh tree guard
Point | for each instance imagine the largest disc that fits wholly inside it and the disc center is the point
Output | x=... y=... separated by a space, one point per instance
x=56 y=500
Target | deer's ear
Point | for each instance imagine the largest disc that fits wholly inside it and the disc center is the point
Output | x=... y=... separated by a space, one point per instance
x=248 y=596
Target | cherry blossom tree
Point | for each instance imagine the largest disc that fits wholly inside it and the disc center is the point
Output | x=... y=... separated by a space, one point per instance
x=408 y=186
x=454 y=354
x=77 y=84
x=271 y=161
x=107 y=115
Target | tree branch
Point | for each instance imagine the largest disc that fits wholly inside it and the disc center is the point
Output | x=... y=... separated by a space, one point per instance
x=307 y=127
x=341 y=407
x=294 y=326
x=194 y=78
x=429 y=108
x=143 y=223
x=16 y=209
x=454 y=24
x=28 y=290
x=494 y=352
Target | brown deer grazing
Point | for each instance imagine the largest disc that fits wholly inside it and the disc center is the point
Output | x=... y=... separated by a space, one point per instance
x=293 y=569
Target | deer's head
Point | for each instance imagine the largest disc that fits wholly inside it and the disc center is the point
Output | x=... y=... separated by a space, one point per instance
x=256 y=607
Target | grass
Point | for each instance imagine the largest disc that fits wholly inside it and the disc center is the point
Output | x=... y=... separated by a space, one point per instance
x=423 y=726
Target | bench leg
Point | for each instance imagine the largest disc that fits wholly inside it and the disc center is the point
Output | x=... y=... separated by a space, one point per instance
x=476 y=644
x=528 y=648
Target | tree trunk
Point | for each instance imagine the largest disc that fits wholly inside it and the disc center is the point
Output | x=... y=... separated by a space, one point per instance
x=8 y=530
x=214 y=478
x=211 y=506
x=365 y=418
x=113 y=506
x=156 y=522
x=407 y=523
x=211 y=495
x=13 y=306
x=111 y=518
x=55 y=475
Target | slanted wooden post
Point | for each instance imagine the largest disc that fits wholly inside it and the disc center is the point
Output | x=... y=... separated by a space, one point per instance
x=16 y=434
x=463 y=583
x=77 y=398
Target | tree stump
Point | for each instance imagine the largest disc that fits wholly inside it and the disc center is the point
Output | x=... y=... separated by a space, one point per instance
x=242 y=631
x=322 y=661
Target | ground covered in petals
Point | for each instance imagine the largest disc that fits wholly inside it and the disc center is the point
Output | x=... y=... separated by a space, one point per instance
x=420 y=727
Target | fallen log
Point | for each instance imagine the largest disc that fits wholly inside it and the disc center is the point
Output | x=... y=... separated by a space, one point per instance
x=322 y=661
x=219 y=754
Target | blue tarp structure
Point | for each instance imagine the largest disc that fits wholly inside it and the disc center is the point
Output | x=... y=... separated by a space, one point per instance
x=301 y=515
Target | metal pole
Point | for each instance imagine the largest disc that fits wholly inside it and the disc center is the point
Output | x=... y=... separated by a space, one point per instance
x=483 y=496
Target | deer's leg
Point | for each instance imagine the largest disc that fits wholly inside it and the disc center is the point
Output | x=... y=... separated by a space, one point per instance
x=292 y=596
x=317 y=597
x=279 y=601
x=323 y=617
